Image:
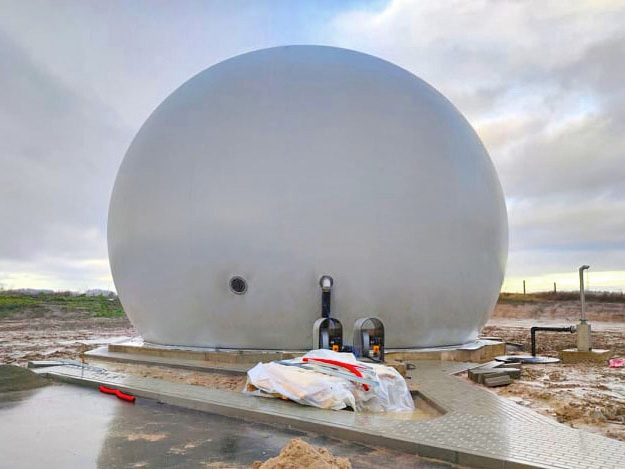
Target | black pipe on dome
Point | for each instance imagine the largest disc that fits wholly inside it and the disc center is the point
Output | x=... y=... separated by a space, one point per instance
x=326 y=282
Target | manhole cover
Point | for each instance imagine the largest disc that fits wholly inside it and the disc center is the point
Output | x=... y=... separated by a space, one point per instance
x=526 y=359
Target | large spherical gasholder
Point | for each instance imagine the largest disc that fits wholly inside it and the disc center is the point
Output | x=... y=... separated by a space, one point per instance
x=271 y=169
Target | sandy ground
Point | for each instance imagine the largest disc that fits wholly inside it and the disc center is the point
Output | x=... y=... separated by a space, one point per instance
x=26 y=336
x=588 y=396
x=596 y=311
x=226 y=382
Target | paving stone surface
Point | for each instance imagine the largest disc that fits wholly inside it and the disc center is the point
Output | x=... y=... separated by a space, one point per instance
x=479 y=428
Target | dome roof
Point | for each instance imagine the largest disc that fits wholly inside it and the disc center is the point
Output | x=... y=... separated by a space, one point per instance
x=268 y=170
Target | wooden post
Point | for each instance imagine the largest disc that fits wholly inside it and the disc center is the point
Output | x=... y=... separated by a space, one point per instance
x=555 y=290
x=524 y=287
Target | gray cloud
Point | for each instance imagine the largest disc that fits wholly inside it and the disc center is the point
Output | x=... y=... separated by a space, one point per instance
x=583 y=158
x=59 y=153
x=545 y=89
x=544 y=86
x=77 y=80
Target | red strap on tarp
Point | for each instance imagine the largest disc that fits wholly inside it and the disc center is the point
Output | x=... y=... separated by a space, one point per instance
x=348 y=366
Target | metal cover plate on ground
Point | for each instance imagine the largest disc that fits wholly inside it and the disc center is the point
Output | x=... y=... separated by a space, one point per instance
x=528 y=359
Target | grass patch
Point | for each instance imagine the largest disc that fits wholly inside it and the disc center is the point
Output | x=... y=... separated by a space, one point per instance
x=12 y=302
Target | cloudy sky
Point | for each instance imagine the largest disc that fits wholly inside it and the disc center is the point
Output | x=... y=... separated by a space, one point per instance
x=542 y=82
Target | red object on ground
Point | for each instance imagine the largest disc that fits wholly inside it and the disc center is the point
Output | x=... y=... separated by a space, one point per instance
x=348 y=366
x=125 y=397
x=106 y=390
x=617 y=363
x=118 y=393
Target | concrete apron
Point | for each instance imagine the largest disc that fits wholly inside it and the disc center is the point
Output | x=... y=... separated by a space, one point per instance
x=240 y=406
x=202 y=359
x=479 y=429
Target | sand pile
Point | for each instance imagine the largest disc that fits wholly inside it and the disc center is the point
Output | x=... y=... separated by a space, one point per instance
x=298 y=454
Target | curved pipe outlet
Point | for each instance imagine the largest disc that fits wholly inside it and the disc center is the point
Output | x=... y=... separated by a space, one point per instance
x=534 y=329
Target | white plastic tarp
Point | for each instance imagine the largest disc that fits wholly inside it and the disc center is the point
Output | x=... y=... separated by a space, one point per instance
x=387 y=391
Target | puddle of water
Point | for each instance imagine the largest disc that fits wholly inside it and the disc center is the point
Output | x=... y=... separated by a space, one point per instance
x=53 y=426
x=423 y=411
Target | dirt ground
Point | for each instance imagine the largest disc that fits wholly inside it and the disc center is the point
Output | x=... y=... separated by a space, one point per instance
x=588 y=396
x=29 y=336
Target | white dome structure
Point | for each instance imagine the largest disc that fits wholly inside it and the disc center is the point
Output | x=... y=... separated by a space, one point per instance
x=271 y=169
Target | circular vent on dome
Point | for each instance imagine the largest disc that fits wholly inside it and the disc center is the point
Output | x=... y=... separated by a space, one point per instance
x=238 y=285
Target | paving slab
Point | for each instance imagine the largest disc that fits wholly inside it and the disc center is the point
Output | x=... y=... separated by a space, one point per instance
x=211 y=354
x=479 y=428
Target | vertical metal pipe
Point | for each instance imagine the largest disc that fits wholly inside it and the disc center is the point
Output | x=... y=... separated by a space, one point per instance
x=326 y=282
x=326 y=299
x=581 y=290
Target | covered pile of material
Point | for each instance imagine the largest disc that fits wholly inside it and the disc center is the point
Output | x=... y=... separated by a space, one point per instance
x=330 y=380
x=299 y=454
x=15 y=378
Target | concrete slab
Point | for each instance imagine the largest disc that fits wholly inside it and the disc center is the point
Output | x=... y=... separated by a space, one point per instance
x=479 y=376
x=229 y=356
x=478 y=351
x=497 y=381
x=572 y=355
x=479 y=429
x=103 y=354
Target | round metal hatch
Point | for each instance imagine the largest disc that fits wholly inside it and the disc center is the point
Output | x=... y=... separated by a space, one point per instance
x=238 y=285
